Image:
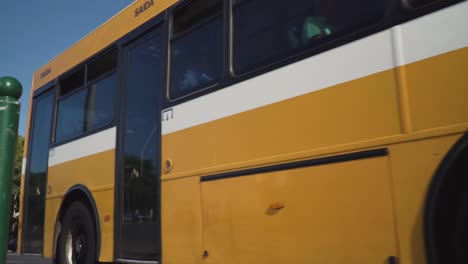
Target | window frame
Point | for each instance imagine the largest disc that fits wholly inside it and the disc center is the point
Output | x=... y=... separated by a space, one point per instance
x=58 y=101
x=173 y=37
x=411 y=12
x=393 y=15
x=50 y=87
x=86 y=86
x=322 y=45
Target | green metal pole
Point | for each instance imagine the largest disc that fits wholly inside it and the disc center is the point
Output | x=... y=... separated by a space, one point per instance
x=10 y=92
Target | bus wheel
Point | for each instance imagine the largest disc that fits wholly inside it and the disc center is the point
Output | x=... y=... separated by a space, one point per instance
x=461 y=231
x=77 y=241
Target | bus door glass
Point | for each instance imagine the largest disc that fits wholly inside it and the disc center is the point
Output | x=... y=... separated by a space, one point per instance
x=36 y=174
x=140 y=150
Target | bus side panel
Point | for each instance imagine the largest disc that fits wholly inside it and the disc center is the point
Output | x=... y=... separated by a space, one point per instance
x=437 y=85
x=413 y=165
x=95 y=172
x=181 y=221
x=335 y=213
x=52 y=208
x=105 y=207
x=438 y=90
x=354 y=111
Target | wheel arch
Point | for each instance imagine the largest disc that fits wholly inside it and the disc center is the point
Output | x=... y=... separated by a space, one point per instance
x=443 y=199
x=78 y=192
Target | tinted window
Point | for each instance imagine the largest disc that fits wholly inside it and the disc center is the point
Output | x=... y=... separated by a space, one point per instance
x=196 y=48
x=142 y=132
x=87 y=105
x=36 y=175
x=420 y=3
x=71 y=114
x=102 y=65
x=100 y=103
x=266 y=31
x=72 y=82
x=194 y=14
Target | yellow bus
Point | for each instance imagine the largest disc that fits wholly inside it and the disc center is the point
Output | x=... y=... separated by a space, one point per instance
x=254 y=131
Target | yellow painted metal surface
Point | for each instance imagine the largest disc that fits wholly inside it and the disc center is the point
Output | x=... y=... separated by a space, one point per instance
x=105 y=206
x=91 y=171
x=312 y=123
x=96 y=172
x=335 y=213
x=362 y=109
x=236 y=226
x=437 y=90
x=181 y=221
x=412 y=166
x=51 y=214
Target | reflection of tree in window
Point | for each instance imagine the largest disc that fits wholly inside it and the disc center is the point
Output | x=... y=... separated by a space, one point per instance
x=139 y=204
x=142 y=133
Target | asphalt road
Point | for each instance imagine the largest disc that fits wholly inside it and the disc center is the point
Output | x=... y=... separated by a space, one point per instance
x=17 y=259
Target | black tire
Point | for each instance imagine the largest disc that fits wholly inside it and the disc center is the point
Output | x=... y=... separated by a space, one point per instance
x=77 y=240
x=461 y=232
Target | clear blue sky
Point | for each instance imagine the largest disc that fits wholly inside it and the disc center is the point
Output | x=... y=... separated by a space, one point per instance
x=33 y=32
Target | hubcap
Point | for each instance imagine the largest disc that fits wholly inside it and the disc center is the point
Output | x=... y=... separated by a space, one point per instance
x=69 y=248
x=75 y=245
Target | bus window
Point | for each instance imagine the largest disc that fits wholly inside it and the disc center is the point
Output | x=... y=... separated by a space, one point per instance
x=196 y=47
x=70 y=116
x=100 y=103
x=92 y=106
x=266 y=31
x=36 y=174
x=72 y=82
x=418 y=3
x=102 y=65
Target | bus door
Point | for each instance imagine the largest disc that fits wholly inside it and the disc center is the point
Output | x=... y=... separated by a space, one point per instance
x=36 y=174
x=138 y=208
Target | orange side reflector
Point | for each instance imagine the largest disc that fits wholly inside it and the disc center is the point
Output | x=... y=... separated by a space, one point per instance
x=277 y=205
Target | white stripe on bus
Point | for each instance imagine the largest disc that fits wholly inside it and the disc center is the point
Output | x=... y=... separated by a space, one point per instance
x=93 y=144
x=425 y=37
x=23 y=167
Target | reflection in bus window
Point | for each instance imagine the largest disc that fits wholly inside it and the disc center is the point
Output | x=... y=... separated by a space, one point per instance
x=36 y=178
x=141 y=165
x=196 y=48
x=72 y=82
x=286 y=28
x=102 y=65
x=86 y=106
x=100 y=103
x=70 y=117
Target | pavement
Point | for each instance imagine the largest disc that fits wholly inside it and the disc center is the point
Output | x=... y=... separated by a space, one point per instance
x=13 y=258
